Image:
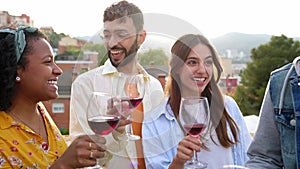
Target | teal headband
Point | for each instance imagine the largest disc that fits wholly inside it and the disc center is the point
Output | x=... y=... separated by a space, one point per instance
x=20 y=39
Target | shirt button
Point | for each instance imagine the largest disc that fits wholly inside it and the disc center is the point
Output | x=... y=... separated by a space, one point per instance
x=293 y=122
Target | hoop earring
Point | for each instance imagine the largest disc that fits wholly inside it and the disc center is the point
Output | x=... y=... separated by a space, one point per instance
x=18 y=79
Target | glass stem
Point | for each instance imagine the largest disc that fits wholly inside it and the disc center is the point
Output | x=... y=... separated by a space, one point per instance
x=128 y=129
x=195 y=158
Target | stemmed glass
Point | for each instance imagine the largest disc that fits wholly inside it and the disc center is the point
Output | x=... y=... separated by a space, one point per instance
x=130 y=89
x=103 y=115
x=194 y=117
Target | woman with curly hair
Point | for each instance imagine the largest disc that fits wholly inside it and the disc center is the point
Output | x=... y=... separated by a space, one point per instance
x=28 y=136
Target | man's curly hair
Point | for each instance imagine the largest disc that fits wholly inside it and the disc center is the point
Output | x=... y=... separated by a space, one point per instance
x=122 y=10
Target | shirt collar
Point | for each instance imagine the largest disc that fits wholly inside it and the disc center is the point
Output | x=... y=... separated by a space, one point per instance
x=6 y=120
x=164 y=109
x=169 y=113
x=110 y=69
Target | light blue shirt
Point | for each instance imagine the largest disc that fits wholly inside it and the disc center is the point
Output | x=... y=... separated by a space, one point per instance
x=162 y=133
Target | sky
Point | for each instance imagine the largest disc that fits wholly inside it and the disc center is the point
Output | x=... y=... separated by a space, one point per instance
x=212 y=18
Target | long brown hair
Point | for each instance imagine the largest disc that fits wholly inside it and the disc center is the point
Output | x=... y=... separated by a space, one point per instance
x=220 y=117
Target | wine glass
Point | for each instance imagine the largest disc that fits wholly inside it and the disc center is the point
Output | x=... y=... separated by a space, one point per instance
x=103 y=115
x=130 y=89
x=194 y=117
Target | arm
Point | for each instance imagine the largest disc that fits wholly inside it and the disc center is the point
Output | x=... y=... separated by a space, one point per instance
x=160 y=139
x=244 y=137
x=80 y=92
x=265 y=150
x=154 y=95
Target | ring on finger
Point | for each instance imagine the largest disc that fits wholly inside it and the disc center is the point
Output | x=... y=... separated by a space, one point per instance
x=90 y=145
x=91 y=154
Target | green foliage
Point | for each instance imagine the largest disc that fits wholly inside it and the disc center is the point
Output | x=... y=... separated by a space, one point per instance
x=102 y=53
x=153 y=56
x=265 y=58
x=54 y=38
x=103 y=59
x=71 y=53
x=64 y=131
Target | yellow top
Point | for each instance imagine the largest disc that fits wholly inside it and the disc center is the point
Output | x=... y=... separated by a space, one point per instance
x=20 y=147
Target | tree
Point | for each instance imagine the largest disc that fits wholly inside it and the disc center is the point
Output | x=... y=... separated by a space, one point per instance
x=54 y=37
x=102 y=53
x=71 y=53
x=265 y=58
x=153 y=56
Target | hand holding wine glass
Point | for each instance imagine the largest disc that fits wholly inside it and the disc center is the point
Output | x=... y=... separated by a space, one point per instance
x=103 y=114
x=194 y=117
x=131 y=89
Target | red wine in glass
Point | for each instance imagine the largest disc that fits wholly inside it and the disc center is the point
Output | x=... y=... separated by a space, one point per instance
x=194 y=129
x=103 y=125
x=194 y=117
x=133 y=102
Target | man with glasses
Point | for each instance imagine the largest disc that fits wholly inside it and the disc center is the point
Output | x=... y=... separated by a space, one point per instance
x=123 y=34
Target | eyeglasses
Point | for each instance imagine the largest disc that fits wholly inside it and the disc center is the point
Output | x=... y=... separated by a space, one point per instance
x=118 y=35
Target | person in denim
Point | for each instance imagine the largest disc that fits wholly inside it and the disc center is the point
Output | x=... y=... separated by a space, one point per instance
x=275 y=142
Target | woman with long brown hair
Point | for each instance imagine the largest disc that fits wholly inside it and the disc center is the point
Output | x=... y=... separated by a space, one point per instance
x=195 y=70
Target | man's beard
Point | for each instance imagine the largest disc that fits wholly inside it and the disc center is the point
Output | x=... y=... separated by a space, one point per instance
x=129 y=55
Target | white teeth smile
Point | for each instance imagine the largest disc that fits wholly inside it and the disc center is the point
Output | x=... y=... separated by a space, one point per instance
x=116 y=52
x=199 y=79
x=52 y=82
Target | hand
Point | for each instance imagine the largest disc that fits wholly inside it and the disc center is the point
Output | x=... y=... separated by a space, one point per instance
x=79 y=154
x=118 y=107
x=185 y=149
x=121 y=128
x=122 y=109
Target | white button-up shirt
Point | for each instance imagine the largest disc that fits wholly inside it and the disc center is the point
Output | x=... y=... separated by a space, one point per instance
x=100 y=80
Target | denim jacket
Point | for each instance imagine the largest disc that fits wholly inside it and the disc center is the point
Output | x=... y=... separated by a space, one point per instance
x=274 y=144
x=286 y=107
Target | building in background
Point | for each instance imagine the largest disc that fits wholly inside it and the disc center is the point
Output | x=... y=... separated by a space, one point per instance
x=6 y=19
x=66 y=42
x=59 y=107
x=230 y=77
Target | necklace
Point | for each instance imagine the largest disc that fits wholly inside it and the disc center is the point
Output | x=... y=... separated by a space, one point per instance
x=42 y=133
x=35 y=129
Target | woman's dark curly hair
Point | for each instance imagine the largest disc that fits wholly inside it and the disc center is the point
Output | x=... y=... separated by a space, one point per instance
x=9 y=64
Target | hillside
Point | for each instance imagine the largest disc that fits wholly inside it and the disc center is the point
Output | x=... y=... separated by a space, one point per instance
x=239 y=42
x=235 y=42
